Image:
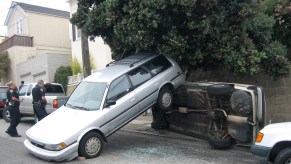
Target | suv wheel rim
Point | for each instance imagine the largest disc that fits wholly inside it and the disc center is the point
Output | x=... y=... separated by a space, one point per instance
x=92 y=146
x=167 y=99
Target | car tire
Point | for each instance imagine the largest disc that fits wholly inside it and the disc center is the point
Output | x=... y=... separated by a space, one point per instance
x=220 y=143
x=6 y=115
x=283 y=157
x=165 y=99
x=91 y=145
x=218 y=89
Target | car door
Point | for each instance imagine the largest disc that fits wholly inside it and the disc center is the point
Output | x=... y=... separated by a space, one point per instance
x=126 y=105
x=145 y=89
x=25 y=98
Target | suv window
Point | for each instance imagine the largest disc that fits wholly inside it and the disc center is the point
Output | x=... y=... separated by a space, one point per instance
x=2 y=95
x=49 y=88
x=158 y=65
x=139 y=76
x=118 y=88
x=23 y=90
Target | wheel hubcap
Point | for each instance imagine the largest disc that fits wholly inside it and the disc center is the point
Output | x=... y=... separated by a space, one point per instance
x=92 y=146
x=288 y=161
x=167 y=99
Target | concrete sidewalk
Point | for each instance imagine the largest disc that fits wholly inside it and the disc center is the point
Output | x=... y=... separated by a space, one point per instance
x=142 y=124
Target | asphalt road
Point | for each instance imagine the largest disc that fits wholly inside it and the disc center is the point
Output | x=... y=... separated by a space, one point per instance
x=128 y=147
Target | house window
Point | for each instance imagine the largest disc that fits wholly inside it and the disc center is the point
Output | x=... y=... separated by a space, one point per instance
x=19 y=27
x=76 y=32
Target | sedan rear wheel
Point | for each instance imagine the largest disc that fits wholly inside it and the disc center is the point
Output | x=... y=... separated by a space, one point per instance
x=91 y=145
x=165 y=99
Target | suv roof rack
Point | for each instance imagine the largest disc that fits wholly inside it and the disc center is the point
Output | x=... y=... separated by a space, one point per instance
x=133 y=59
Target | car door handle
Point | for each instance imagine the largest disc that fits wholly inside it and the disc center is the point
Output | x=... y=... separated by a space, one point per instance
x=133 y=99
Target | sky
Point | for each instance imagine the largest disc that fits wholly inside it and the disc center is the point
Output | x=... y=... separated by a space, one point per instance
x=5 y=5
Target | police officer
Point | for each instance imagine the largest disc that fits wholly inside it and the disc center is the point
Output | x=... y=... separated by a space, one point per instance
x=13 y=108
x=39 y=100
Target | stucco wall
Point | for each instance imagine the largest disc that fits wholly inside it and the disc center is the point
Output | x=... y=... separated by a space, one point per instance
x=49 y=31
x=17 y=15
x=277 y=93
x=100 y=51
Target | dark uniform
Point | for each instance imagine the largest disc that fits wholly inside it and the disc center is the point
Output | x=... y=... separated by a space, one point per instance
x=13 y=108
x=38 y=103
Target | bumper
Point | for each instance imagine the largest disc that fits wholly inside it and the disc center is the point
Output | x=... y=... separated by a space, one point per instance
x=67 y=154
x=261 y=152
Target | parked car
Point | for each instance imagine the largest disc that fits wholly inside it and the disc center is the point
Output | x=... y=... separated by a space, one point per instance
x=54 y=94
x=102 y=104
x=3 y=98
x=273 y=143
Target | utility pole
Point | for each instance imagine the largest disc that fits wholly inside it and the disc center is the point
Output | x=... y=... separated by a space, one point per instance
x=85 y=54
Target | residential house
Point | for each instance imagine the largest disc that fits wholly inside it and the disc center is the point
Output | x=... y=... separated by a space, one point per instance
x=38 y=42
x=99 y=52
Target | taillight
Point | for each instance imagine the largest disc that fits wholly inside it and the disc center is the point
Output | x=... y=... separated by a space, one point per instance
x=55 y=103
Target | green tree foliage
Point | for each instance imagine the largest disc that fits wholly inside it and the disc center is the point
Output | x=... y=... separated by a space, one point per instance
x=281 y=11
x=283 y=23
x=209 y=34
x=75 y=66
x=4 y=64
x=61 y=75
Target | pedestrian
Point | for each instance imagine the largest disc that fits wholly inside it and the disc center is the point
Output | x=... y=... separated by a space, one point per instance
x=13 y=108
x=21 y=85
x=39 y=101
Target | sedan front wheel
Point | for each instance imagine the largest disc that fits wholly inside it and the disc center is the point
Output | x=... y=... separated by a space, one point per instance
x=91 y=145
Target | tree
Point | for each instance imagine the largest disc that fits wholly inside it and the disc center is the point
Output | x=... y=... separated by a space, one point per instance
x=4 y=64
x=85 y=54
x=208 y=34
x=61 y=76
x=281 y=11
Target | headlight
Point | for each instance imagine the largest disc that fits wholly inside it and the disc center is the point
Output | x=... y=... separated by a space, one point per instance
x=57 y=147
x=260 y=137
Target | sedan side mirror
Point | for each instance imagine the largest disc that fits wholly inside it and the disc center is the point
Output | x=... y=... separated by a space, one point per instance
x=110 y=102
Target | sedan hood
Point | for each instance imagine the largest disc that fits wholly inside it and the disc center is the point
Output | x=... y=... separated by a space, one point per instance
x=62 y=125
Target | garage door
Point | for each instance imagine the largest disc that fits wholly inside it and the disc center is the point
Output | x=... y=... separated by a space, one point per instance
x=42 y=77
x=27 y=78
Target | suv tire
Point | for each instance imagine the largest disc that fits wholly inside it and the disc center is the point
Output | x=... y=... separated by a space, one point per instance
x=220 y=143
x=218 y=89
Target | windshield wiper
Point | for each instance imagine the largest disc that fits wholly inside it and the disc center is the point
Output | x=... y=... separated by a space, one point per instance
x=76 y=107
x=79 y=107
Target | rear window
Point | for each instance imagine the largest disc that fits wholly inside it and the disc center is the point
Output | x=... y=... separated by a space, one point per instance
x=49 y=88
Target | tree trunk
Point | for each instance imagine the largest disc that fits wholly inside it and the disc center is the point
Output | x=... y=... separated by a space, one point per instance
x=85 y=55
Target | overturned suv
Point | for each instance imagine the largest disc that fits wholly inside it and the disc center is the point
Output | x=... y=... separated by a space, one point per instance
x=103 y=103
x=223 y=113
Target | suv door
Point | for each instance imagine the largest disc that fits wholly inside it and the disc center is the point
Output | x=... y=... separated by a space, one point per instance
x=23 y=94
x=126 y=104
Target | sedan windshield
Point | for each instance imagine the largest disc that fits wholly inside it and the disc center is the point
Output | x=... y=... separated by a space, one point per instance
x=87 y=96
